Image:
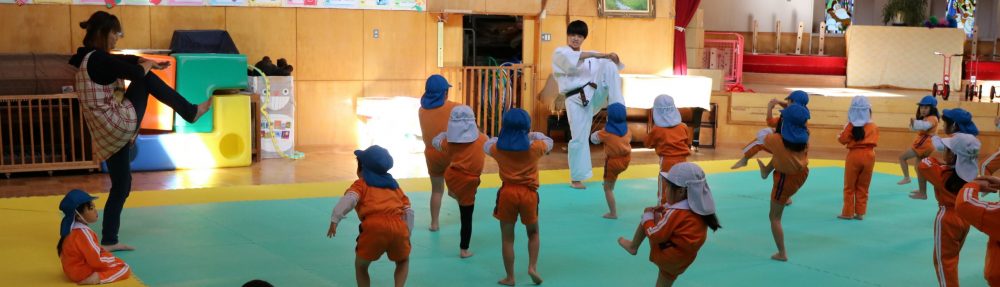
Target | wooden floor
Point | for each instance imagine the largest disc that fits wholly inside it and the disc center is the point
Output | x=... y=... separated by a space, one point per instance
x=319 y=165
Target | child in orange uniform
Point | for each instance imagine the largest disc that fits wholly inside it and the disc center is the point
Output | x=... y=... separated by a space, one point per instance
x=925 y=124
x=757 y=145
x=960 y=166
x=435 y=109
x=860 y=136
x=678 y=229
x=985 y=216
x=791 y=167
x=386 y=217
x=618 y=152
x=669 y=137
x=463 y=144
x=83 y=260
x=517 y=153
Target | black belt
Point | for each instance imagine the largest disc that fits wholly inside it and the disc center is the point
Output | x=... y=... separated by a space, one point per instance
x=583 y=96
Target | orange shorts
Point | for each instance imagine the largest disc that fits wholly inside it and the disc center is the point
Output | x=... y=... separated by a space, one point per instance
x=668 y=162
x=461 y=185
x=516 y=200
x=383 y=234
x=787 y=185
x=923 y=146
x=615 y=166
x=437 y=162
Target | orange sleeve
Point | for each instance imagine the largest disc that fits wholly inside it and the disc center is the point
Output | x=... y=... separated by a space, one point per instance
x=406 y=199
x=358 y=187
x=688 y=139
x=931 y=169
x=985 y=216
x=874 y=135
x=538 y=148
x=651 y=139
x=86 y=243
x=680 y=230
x=845 y=135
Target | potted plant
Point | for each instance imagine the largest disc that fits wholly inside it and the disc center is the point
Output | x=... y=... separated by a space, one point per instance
x=904 y=12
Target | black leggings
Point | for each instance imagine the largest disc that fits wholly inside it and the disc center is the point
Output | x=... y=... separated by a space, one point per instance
x=466 y=231
x=119 y=165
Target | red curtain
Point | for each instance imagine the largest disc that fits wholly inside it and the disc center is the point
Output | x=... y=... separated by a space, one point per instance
x=685 y=12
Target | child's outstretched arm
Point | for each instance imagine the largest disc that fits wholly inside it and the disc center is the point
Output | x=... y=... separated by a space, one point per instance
x=985 y=216
x=345 y=205
x=920 y=125
x=440 y=138
x=537 y=136
x=595 y=138
x=489 y=146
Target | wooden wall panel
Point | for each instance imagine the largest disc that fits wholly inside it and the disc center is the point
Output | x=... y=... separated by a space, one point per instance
x=326 y=113
x=394 y=88
x=556 y=26
x=514 y=7
x=583 y=8
x=399 y=52
x=260 y=32
x=438 y=6
x=134 y=19
x=35 y=29
x=644 y=45
x=164 y=20
x=329 y=44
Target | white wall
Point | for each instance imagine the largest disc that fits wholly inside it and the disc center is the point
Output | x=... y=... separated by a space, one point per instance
x=738 y=15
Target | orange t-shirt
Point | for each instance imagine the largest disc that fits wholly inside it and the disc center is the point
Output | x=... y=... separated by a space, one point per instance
x=937 y=174
x=466 y=157
x=785 y=161
x=614 y=145
x=376 y=201
x=868 y=142
x=520 y=167
x=675 y=239
x=82 y=256
x=670 y=142
x=434 y=121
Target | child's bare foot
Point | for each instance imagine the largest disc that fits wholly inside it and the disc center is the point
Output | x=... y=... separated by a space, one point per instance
x=433 y=228
x=904 y=181
x=93 y=279
x=627 y=245
x=203 y=107
x=535 y=277
x=118 y=247
x=610 y=215
x=918 y=195
x=859 y=217
x=844 y=217
x=789 y=202
x=577 y=185
x=780 y=257
x=740 y=163
x=464 y=253
x=764 y=172
x=506 y=281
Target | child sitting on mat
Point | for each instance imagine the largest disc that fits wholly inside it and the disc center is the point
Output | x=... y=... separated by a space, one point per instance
x=83 y=260
x=386 y=217
x=677 y=230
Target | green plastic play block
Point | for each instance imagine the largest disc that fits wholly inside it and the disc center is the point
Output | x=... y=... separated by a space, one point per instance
x=198 y=75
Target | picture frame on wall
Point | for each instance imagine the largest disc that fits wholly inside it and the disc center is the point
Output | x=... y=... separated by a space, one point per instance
x=627 y=8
